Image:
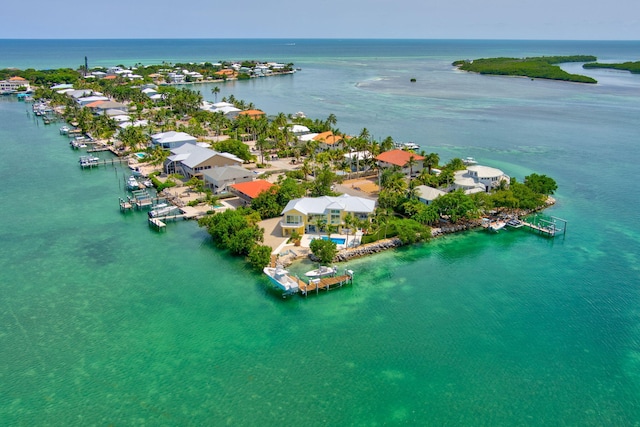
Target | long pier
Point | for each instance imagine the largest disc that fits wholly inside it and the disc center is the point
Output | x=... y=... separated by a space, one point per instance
x=542 y=226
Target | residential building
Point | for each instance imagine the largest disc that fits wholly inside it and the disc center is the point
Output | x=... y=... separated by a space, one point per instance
x=191 y=160
x=428 y=194
x=247 y=191
x=311 y=214
x=14 y=84
x=478 y=178
x=328 y=141
x=172 y=139
x=401 y=158
x=218 y=179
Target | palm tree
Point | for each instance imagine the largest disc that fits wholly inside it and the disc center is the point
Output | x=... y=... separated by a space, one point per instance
x=331 y=120
x=410 y=164
x=349 y=221
x=431 y=160
x=215 y=91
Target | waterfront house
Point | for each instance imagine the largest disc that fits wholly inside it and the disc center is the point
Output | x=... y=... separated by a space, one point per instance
x=328 y=141
x=218 y=179
x=428 y=194
x=86 y=100
x=400 y=159
x=191 y=160
x=247 y=191
x=254 y=114
x=172 y=139
x=478 y=178
x=311 y=214
x=14 y=84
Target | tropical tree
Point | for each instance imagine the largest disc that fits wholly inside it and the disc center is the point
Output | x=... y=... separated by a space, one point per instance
x=215 y=91
x=430 y=160
x=541 y=184
x=324 y=250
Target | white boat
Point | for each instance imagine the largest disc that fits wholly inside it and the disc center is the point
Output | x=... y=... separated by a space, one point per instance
x=496 y=226
x=469 y=161
x=132 y=183
x=281 y=278
x=408 y=146
x=88 y=161
x=322 y=271
x=162 y=210
x=77 y=143
x=64 y=130
x=135 y=171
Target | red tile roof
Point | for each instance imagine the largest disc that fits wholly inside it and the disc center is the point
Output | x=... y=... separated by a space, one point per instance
x=398 y=157
x=253 y=188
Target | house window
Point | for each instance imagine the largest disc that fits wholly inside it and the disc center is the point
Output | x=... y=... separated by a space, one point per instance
x=335 y=216
x=293 y=219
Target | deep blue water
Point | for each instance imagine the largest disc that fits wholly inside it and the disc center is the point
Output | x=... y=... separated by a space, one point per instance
x=103 y=321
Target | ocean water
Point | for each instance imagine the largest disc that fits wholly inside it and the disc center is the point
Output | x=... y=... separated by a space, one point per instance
x=105 y=322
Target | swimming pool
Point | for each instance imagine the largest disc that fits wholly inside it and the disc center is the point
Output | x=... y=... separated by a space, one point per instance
x=141 y=155
x=336 y=240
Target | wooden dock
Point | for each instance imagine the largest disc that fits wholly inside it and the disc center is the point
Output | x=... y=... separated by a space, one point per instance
x=125 y=205
x=156 y=224
x=325 y=283
x=546 y=227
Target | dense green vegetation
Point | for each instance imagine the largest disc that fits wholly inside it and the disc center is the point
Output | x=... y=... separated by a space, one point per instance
x=324 y=250
x=633 y=67
x=540 y=67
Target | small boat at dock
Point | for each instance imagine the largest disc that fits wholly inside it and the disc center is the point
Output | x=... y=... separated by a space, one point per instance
x=281 y=278
x=322 y=271
x=88 y=161
x=161 y=210
x=132 y=183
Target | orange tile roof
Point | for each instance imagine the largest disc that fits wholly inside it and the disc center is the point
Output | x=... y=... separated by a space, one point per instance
x=398 y=157
x=94 y=104
x=328 y=138
x=110 y=77
x=226 y=71
x=17 y=79
x=252 y=113
x=252 y=188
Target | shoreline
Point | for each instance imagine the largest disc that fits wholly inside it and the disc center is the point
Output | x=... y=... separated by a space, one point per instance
x=376 y=247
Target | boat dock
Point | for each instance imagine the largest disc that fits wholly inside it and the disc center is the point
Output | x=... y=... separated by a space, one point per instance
x=545 y=227
x=157 y=224
x=326 y=283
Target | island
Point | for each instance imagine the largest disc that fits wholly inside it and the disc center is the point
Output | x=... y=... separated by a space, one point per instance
x=272 y=189
x=543 y=67
x=633 y=67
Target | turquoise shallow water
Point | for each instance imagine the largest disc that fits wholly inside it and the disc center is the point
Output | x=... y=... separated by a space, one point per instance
x=103 y=321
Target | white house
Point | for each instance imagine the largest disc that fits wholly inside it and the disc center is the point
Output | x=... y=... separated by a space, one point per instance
x=191 y=160
x=13 y=84
x=478 y=178
x=172 y=139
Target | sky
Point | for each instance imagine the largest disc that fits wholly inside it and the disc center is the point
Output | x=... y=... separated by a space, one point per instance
x=419 y=19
